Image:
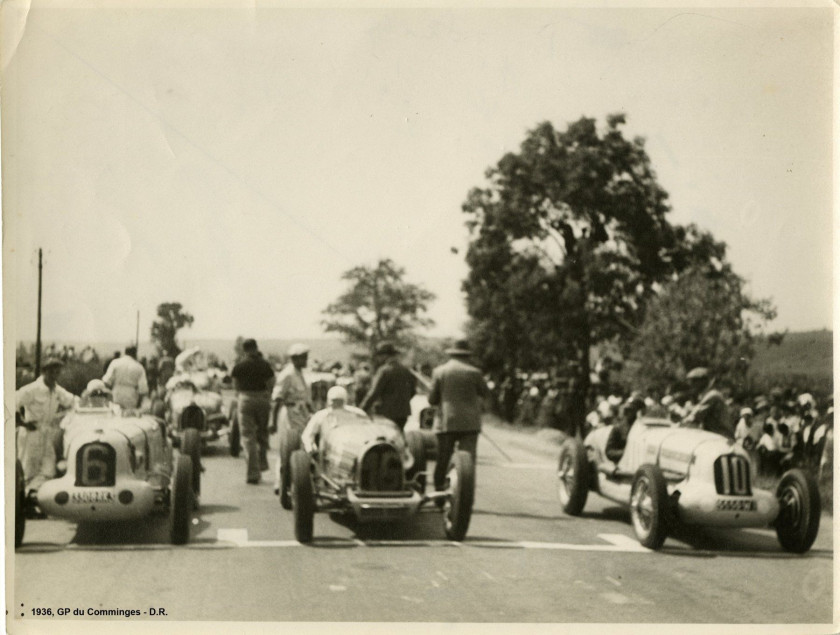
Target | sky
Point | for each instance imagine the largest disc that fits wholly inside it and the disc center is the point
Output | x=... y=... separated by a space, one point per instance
x=239 y=160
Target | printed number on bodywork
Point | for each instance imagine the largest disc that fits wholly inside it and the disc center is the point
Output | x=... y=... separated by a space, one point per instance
x=92 y=497
x=738 y=505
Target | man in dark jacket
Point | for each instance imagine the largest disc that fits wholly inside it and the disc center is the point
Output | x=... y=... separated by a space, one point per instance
x=392 y=389
x=253 y=379
x=459 y=389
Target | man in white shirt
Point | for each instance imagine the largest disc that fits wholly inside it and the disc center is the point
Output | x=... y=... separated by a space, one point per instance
x=44 y=403
x=126 y=377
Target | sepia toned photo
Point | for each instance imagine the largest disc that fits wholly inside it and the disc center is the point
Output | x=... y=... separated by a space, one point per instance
x=417 y=317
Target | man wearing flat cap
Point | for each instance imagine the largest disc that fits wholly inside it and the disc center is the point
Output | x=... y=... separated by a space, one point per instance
x=44 y=403
x=710 y=413
x=459 y=389
x=392 y=388
x=291 y=400
x=253 y=379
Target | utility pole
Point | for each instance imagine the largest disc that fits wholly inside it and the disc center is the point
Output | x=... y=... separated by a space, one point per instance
x=137 y=333
x=38 y=335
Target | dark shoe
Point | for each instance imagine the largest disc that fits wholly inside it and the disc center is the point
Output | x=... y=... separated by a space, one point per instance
x=277 y=491
x=253 y=481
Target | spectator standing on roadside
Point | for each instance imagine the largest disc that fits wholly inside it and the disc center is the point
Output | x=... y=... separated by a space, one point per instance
x=459 y=389
x=743 y=430
x=126 y=378
x=393 y=387
x=291 y=399
x=43 y=403
x=253 y=379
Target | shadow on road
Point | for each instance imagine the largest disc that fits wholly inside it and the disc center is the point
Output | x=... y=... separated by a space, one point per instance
x=487 y=512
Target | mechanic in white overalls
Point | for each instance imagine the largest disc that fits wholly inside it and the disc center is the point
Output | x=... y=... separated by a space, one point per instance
x=292 y=397
x=126 y=377
x=44 y=403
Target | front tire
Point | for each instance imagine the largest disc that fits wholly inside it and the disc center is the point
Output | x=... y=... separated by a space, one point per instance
x=234 y=438
x=649 y=507
x=181 y=501
x=289 y=442
x=191 y=447
x=799 y=511
x=572 y=476
x=414 y=441
x=458 y=507
x=303 y=496
x=20 y=501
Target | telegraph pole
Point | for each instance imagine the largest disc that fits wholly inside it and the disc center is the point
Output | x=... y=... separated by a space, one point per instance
x=137 y=333
x=38 y=335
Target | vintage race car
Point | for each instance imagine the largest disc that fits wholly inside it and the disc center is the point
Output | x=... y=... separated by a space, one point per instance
x=669 y=475
x=119 y=466
x=192 y=402
x=367 y=469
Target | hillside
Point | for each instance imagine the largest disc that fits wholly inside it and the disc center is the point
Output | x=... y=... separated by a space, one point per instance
x=806 y=357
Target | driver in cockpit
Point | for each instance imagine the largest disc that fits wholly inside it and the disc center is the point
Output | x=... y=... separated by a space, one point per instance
x=96 y=395
x=336 y=413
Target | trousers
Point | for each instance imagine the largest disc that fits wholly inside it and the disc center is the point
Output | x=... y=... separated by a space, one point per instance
x=467 y=441
x=253 y=410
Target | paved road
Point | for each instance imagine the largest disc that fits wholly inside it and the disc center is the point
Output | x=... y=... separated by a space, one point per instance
x=523 y=561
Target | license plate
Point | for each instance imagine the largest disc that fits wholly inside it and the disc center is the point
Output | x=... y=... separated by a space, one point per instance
x=736 y=505
x=92 y=497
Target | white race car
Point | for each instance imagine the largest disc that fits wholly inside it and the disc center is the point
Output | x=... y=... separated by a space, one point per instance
x=670 y=475
x=119 y=466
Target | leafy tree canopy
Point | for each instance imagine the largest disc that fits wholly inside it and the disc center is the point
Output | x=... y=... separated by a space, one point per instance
x=378 y=306
x=171 y=318
x=702 y=318
x=569 y=240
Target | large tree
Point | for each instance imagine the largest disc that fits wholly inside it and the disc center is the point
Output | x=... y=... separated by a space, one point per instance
x=171 y=318
x=568 y=239
x=702 y=318
x=378 y=306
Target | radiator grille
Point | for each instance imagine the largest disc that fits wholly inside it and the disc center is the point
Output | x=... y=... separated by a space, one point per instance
x=732 y=475
x=96 y=465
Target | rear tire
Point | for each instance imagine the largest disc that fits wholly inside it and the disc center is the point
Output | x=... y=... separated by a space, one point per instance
x=573 y=475
x=458 y=507
x=191 y=447
x=302 y=495
x=289 y=442
x=181 y=501
x=649 y=507
x=799 y=511
x=414 y=441
x=234 y=438
x=20 y=501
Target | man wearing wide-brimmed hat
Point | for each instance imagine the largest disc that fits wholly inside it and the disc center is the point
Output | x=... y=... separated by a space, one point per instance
x=459 y=389
x=44 y=403
x=392 y=388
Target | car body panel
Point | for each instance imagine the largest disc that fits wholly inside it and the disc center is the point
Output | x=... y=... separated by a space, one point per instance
x=708 y=476
x=109 y=453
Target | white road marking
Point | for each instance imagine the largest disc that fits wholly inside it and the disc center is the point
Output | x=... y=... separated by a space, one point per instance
x=488 y=576
x=435 y=584
x=238 y=538
x=442 y=575
x=521 y=466
x=614 y=581
x=615 y=598
x=337 y=587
